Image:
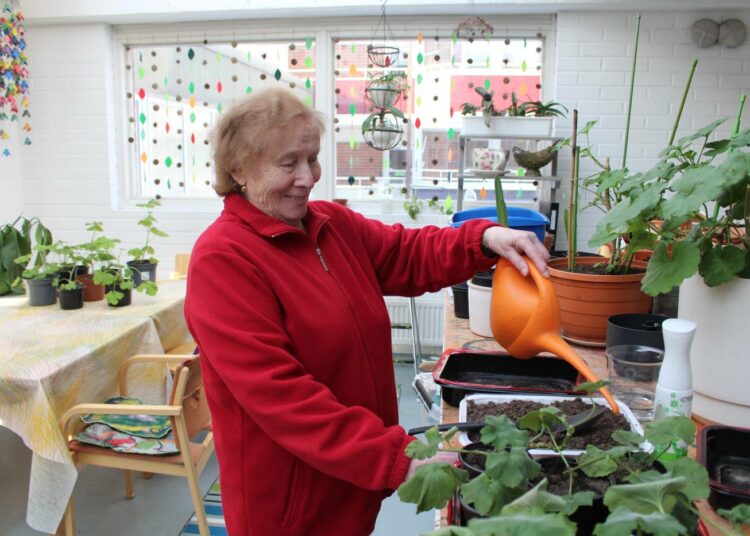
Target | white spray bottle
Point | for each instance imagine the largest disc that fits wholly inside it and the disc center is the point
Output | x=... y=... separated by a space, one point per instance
x=674 y=388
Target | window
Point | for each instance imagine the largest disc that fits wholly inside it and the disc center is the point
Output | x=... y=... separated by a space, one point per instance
x=176 y=93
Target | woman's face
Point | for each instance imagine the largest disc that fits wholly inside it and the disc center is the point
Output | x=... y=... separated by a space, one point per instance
x=280 y=183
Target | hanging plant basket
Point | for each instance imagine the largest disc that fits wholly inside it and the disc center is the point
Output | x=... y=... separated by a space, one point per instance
x=382 y=131
x=382 y=55
x=382 y=95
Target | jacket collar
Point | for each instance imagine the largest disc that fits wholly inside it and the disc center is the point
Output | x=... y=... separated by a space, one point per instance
x=268 y=226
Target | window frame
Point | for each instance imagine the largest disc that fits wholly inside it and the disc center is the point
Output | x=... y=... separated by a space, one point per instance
x=324 y=31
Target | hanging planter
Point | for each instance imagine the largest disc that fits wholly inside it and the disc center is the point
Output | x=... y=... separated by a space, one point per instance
x=386 y=90
x=383 y=55
x=382 y=130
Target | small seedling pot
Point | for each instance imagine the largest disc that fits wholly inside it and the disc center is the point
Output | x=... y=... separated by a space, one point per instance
x=41 y=292
x=143 y=271
x=461 y=300
x=91 y=291
x=71 y=299
x=473 y=469
x=635 y=329
x=126 y=298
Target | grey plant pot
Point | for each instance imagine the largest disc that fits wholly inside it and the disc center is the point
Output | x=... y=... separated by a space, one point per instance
x=41 y=292
x=143 y=271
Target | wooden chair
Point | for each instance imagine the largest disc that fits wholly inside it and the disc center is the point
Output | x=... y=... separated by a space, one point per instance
x=189 y=415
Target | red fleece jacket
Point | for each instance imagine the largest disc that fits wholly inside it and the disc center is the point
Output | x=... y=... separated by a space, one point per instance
x=296 y=355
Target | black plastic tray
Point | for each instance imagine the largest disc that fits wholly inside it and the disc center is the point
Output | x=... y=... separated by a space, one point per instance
x=462 y=372
x=725 y=453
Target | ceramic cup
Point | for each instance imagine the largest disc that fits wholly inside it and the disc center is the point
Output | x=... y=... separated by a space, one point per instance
x=489 y=159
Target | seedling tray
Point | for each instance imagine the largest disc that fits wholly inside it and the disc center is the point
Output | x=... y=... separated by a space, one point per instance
x=462 y=372
x=725 y=453
x=635 y=426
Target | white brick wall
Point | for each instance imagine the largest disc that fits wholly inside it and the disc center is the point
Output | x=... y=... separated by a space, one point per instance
x=664 y=56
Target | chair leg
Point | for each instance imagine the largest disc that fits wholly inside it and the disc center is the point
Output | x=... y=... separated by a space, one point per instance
x=195 y=494
x=148 y=476
x=68 y=523
x=129 y=493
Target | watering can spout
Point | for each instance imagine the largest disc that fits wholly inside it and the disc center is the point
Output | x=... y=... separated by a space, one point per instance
x=525 y=319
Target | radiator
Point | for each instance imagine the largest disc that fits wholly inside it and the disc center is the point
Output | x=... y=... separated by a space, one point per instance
x=429 y=317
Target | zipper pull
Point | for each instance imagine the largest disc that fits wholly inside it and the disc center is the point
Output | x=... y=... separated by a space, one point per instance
x=322 y=260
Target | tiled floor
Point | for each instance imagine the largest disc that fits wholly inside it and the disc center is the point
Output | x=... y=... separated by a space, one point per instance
x=162 y=505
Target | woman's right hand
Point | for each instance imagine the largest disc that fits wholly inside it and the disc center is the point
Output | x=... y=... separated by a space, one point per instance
x=447 y=457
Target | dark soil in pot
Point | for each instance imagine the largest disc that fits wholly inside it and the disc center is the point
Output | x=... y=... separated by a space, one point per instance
x=599 y=435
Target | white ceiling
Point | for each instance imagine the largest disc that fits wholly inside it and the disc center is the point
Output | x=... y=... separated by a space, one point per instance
x=150 y=11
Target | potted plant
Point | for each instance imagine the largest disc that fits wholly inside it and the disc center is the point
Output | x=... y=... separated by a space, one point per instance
x=16 y=241
x=629 y=490
x=39 y=276
x=382 y=128
x=384 y=91
x=514 y=121
x=143 y=262
x=119 y=281
x=96 y=253
x=693 y=210
x=70 y=291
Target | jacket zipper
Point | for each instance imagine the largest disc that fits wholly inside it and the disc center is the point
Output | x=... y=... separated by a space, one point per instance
x=322 y=260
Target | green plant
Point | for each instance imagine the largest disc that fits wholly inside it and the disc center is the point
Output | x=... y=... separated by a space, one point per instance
x=15 y=242
x=413 y=206
x=546 y=109
x=487 y=106
x=692 y=209
x=446 y=207
x=146 y=252
x=117 y=277
x=99 y=250
x=645 y=499
x=396 y=80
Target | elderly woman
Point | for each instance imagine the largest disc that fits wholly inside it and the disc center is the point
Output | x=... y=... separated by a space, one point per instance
x=285 y=301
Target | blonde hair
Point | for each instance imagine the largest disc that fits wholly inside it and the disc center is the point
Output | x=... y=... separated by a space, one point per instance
x=253 y=127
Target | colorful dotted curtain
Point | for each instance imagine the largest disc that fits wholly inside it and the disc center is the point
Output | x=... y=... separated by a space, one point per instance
x=176 y=94
x=14 y=85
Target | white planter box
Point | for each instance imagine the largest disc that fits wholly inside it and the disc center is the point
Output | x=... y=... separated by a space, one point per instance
x=507 y=126
x=720 y=356
x=635 y=426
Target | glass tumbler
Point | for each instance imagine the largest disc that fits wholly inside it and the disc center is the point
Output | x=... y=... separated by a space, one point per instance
x=633 y=371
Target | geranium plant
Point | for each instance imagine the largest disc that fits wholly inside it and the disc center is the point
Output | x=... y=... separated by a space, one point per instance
x=146 y=252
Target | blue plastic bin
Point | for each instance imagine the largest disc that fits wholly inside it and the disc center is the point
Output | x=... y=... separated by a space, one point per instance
x=523 y=219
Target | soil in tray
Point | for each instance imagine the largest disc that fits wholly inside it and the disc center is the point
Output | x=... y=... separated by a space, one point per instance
x=598 y=435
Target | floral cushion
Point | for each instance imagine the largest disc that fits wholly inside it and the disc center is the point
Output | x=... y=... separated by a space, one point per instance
x=146 y=426
x=102 y=435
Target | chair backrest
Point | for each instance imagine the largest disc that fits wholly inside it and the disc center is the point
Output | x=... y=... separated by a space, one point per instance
x=181 y=263
x=189 y=393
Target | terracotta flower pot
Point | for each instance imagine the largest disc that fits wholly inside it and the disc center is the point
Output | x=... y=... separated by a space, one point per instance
x=91 y=291
x=588 y=300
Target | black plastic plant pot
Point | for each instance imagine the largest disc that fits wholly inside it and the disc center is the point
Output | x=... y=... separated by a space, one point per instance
x=41 y=292
x=461 y=300
x=461 y=372
x=725 y=453
x=483 y=279
x=126 y=295
x=639 y=329
x=71 y=299
x=143 y=271
x=473 y=463
x=64 y=273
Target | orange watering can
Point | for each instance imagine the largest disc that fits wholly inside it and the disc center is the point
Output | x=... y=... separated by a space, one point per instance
x=525 y=318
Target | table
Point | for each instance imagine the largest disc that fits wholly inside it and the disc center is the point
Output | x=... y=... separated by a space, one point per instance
x=52 y=359
x=458 y=335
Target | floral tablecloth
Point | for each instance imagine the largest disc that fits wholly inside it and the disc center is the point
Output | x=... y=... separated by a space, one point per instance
x=52 y=359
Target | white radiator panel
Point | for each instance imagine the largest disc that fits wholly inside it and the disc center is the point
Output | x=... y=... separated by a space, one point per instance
x=429 y=317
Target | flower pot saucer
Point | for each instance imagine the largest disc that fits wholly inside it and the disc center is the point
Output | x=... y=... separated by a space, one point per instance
x=581 y=342
x=488 y=172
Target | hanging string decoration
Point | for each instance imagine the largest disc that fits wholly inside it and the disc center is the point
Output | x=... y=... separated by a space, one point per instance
x=14 y=74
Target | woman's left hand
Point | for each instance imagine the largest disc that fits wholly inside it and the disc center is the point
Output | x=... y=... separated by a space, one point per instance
x=512 y=244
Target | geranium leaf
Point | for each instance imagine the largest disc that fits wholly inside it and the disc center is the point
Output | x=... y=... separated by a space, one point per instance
x=548 y=416
x=453 y=531
x=720 y=264
x=615 y=222
x=666 y=270
x=626 y=437
x=742 y=139
x=587 y=127
x=739 y=515
x=419 y=450
x=595 y=462
x=716 y=147
x=537 y=498
x=524 y=524
x=675 y=428
x=513 y=469
x=591 y=387
x=609 y=179
x=487 y=495
x=645 y=497
x=696 y=477
x=432 y=485
x=623 y=522
x=702 y=133
x=501 y=432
